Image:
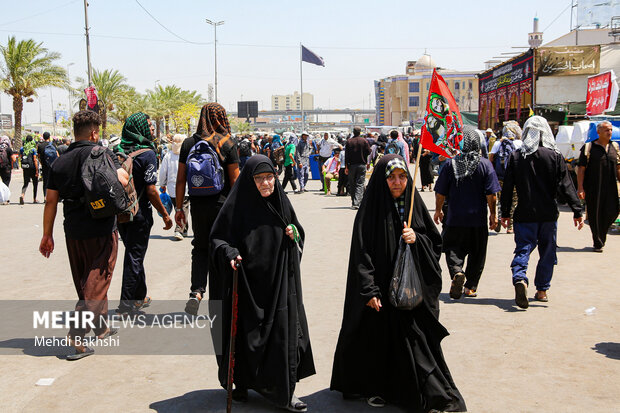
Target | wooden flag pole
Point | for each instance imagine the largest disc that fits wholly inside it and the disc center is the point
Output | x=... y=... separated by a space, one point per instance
x=415 y=178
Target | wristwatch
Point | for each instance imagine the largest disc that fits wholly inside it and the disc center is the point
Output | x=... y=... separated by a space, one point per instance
x=177 y=209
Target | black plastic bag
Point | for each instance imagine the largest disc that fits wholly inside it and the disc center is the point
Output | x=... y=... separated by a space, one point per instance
x=405 y=286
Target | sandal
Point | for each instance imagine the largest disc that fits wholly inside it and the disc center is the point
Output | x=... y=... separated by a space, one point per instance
x=470 y=292
x=376 y=401
x=456 y=289
x=541 y=298
x=81 y=354
x=297 y=405
x=110 y=332
x=143 y=303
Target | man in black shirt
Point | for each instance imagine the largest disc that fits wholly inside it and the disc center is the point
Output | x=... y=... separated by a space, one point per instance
x=213 y=127
x=538 y=171
x=45 y=168
x=92 y=244
x=357 y=150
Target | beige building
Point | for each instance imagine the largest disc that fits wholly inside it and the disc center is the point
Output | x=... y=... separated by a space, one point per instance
x=402 y=98
x=292 y=102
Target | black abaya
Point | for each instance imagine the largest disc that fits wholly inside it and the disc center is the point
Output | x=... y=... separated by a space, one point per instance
x=272 y=346
x=601 y=190
x=392 y=353
x=426 y=170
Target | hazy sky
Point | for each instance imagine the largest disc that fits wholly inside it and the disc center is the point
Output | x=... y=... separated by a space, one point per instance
x=258 y=46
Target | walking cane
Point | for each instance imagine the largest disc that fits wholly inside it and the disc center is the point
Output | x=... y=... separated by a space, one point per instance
x=233 y=334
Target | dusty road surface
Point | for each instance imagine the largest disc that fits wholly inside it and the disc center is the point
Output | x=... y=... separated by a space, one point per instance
x=552 y=357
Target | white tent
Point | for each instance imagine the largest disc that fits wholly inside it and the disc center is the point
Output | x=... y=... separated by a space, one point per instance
x=563 y=140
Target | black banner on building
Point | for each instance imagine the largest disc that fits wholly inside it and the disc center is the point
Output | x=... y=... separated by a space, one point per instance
x=513 y=71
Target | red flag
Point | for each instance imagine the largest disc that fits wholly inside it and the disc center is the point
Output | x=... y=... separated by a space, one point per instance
x=442 y=132
x=91 y=95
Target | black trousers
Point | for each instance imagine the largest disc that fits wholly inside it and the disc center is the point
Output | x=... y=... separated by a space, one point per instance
x=288 y=177
x=135 y=236
x=357 y=177
x=470 y=242
x=45 y=173
x=30 y=175
x=343 y=181
x=204 y=210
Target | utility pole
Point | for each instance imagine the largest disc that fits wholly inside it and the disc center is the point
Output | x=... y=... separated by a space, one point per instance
x=90 y=69
x=215 y=24
x=70 y=92
x=53 y=113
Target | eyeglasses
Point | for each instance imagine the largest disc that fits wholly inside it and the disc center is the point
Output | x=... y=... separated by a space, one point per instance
x=266 y=178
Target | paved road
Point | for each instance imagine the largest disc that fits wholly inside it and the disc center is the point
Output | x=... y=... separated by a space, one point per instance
x=551 y=357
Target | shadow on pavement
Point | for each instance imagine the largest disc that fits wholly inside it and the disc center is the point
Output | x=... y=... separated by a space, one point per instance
x=571 y=249
x=28 y=347
x=214 y=400
x=609 y=350
x=506 y=304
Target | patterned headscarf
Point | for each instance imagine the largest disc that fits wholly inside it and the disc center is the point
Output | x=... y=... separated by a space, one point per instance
x=467 y=161
x=213 y=119
x=5 y=140
x=536 y=133
x=136 y=133
x=393 y=164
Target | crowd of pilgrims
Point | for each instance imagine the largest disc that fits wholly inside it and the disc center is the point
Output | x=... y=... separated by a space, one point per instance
x=384 y=354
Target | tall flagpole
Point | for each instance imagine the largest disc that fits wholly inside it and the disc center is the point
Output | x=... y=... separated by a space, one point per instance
x=301 y=81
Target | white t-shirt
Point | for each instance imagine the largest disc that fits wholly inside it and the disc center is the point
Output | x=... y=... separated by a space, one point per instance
x=517 y=143
x=325 y=148
x=332 y=165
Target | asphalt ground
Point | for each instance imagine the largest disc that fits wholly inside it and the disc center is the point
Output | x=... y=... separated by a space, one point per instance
x=551 y=357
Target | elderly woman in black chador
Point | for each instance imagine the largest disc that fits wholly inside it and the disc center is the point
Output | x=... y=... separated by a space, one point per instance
x=257 y=227
x=385 y=354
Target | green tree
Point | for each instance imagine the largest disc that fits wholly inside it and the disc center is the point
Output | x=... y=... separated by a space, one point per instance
x=183 y=117
x=166 y=100
x=25 y=67
x=239 y=125
x=130 y=101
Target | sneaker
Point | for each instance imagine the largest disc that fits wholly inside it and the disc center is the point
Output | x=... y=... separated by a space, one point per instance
x=178 y=236
x=140 y=304
x=521 y=294
x=375 y=401
x=456 y=289
x=192 y=305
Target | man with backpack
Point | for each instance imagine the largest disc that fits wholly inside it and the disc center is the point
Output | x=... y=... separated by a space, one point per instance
x=135 y=226
x=47 y=153
x=92 y=243
x=500 y=152
x=30 y=166
x=209 y=166
x=394 y=146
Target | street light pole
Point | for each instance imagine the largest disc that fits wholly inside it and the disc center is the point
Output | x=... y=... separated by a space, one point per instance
x=70 y=92
x=90 y=69
x=215 y=24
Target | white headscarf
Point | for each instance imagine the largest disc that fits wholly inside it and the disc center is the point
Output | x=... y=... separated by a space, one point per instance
x=466 y=163
x=536 y=133
x=177 y=141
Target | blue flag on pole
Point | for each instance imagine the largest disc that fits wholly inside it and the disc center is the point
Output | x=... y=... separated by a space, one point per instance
x=311 y=57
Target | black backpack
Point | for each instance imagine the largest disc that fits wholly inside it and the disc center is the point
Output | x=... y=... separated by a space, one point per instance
x=103 y=193
x=49 y=154
x=27 y=159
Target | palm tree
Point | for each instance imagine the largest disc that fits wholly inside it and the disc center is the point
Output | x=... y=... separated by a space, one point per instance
x=26 y=67
x=111 y=88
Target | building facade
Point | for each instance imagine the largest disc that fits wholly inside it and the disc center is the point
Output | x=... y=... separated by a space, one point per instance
x=292 y=102
x=402 y=98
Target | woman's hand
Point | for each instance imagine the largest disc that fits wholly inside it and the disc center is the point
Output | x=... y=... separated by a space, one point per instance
x=408 y=234
x=290 y=233
x=374 y=303
x=235 y=263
